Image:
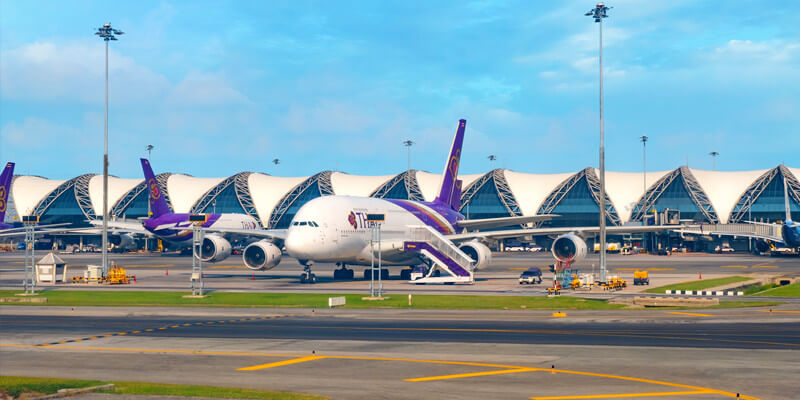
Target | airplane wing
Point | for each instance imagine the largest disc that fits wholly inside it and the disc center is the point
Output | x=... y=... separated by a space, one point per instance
x=122 y=227
x=44 y=229
x=487 y=223
x=614 y=230
x=279 y=234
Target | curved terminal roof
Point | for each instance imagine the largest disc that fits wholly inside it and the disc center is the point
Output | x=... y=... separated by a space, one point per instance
x=718 y=191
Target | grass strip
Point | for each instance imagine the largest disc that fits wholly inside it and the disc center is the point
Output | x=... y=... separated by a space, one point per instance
x=75 y=298
x=773 y=290
x=699 y=284
x=16 y=385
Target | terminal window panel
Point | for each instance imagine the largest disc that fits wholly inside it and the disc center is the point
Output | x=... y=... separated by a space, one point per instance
x=64 y=209
x=312 y=192
x=577 y=208
x=399 y=191
x=225 y=202
x=770 y=206
x=676 y=197
x=138 y=207
x=485 y=203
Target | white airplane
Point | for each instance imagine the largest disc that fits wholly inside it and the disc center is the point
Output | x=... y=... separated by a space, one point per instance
x=338 y=229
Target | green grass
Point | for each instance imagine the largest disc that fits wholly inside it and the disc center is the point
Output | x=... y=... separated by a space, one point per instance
x=310 y=300
x=773 y=290
x=699 y=284
x=16 y=385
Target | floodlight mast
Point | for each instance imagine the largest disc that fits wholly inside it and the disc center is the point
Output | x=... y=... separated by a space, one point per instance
x=598 y=13
x=107 y=33
x=408 y=143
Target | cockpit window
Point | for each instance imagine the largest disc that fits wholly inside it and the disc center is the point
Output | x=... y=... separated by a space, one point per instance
x=303 y=223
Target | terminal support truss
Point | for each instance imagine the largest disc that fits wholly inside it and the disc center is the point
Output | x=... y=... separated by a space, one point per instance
x=80 y=186
x=741 y=210
x=558 y=194
x=323 y=182
x=504 y=193
x=696 y=194
x=241 y=188
x=408 y=179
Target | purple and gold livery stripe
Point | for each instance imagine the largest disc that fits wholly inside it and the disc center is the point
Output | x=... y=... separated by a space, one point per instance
x=427 y=216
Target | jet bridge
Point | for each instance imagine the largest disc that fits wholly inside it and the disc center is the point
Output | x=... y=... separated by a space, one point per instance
x=443 y=254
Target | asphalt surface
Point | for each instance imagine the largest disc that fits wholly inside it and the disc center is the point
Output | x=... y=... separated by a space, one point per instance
x=412 y=354
x=655 y=333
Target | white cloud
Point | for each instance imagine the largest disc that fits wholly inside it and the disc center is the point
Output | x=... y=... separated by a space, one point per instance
x=771 y=51
x=327 y=116
x=74 y=71
x=205 y=89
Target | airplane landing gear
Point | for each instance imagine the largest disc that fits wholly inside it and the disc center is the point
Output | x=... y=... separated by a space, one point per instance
x=343 y=273
x=307 y=276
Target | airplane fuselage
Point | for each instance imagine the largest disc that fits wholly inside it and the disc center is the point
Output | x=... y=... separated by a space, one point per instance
x=791 y=234
x=335 y=228
x=176 y=228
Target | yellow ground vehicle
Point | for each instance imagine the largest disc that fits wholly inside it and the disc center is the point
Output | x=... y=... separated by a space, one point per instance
x=118 y=276
x=616 y=283
x=640 y=278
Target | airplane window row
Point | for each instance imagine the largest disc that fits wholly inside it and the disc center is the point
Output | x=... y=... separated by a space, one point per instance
x=304 y=223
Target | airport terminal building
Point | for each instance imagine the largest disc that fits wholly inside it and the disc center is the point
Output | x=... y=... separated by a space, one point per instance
x=698 y=195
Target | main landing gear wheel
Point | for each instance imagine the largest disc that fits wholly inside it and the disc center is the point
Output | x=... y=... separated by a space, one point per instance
x=343 y=273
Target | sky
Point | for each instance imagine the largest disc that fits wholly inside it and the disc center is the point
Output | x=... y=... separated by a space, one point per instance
x=220 y=87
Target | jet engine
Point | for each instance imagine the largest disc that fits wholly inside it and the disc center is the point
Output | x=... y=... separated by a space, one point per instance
x=478 y=252
x=569 y=248
x=261 y=255
x=215 y=248
x=122 y=241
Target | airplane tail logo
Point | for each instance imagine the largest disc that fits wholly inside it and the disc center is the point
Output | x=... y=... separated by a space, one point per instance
x=5 y=188
x=158 y=205
x=450 y=191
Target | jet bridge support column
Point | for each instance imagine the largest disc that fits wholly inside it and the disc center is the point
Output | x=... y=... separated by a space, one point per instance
x=30 y=222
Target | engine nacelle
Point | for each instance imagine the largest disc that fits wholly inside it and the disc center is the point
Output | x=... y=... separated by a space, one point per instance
x=215 y=248
x=122 y=241
x=478 y=252
x=569 y=248
x=261 y=255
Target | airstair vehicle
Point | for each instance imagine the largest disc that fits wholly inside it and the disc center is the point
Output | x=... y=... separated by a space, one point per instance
x=442 y=254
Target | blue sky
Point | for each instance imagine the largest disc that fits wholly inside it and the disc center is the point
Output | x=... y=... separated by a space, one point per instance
x=222 y=87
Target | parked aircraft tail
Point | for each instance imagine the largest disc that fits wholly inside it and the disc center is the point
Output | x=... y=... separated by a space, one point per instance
x=158 y=204
x=5 y=189
x=450 y=191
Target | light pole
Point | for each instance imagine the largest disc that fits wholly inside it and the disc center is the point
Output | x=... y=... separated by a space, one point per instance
x=491 y=158
x=714 y=155
x=644 y=163
x=276 y=162
x=598 y=13
x=149 y=149
x=408 y=143
x=107 y=34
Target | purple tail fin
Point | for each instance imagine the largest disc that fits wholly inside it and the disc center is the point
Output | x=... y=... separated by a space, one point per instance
x=5 y=189
x=158 y=205
x=455 y=202
x=450 y=191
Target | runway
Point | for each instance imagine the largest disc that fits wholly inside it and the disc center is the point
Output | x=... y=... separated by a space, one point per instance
x=709 y=354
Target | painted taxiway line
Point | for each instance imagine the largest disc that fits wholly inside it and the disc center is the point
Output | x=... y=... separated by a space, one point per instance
x=300 y=358
x=691 y=314
x=620 y=395
x=280 y=363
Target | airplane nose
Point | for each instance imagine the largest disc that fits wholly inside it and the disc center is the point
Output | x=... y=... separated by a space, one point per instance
x=294 y=245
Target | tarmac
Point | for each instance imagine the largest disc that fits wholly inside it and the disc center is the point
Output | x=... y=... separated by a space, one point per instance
x=412 y=354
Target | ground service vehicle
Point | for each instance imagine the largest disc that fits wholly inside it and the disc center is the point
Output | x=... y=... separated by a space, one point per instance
x=531 y=276
x=641 y=278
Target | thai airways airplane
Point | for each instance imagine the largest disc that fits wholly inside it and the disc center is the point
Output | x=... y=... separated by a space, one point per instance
x=7 y=230
x=338 y=229
x=176 y=229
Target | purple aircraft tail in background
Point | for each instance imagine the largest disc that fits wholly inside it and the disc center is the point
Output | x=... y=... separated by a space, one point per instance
x=5 y=189
x=450 y=192
x=158 y=205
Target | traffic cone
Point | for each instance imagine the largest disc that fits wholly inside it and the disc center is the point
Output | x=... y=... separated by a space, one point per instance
x=700 y=275
x=167 y=274
x=254 y=277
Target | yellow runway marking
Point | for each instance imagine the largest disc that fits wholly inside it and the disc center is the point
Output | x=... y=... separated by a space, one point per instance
x=149 y=266
x=517 y=269
x=280 y=363
x=93 y=337
x=765 y=266
x=687 y=313
x=229 y=267
x=301 y=357
x=469 y=375
x=734 y=266
x=661 y=269
x=645 y=269
x=783 y=311
x=187 y=324
x=610 y=396
x=148 y=330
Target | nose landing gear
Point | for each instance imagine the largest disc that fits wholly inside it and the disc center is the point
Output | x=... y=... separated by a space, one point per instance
x=307 y=276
